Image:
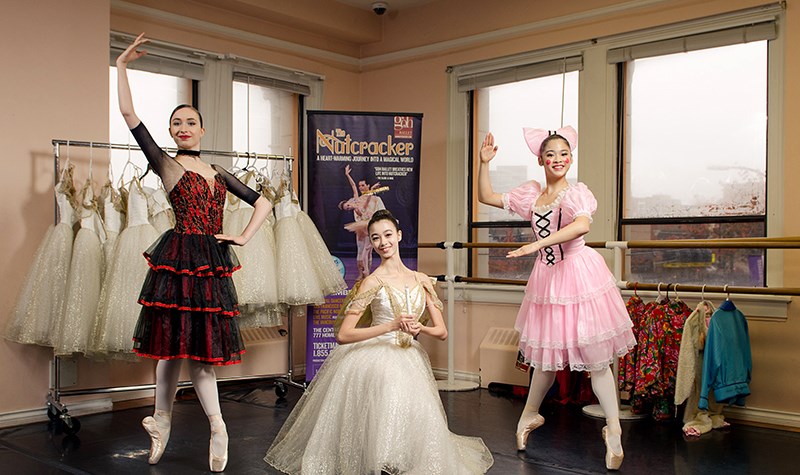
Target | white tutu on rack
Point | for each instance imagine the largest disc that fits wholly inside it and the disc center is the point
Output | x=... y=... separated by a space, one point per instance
x=331 y=279
x=118 y=311
x=162 y=217
x=113 y=221
x=298 y=282
x=83 y=284
x=255 y=282
x=43 y=293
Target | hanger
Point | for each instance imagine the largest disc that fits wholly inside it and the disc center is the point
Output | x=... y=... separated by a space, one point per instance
x=727 y=304
x=66 y=165
x=677 y=297
x=658 y=297
x=703 y=293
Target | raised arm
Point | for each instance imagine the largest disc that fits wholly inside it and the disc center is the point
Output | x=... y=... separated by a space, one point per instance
x=486 y=194
x=350 y=179
x=123 y=88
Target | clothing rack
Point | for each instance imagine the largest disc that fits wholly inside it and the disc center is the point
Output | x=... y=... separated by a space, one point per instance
x=56 y=410
x=791 y=242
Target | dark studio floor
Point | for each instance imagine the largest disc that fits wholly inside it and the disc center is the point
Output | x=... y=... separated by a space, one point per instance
x=568 y=443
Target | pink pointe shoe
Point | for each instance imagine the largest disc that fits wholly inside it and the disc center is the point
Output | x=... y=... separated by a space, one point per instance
x=217 y=463
x=525 y=428
x=158 y=428
x=613 y=461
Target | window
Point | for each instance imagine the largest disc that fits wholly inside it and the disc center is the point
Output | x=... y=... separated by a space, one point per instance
x=694 y=160
x=155 y=96
x=264 y=119
x=504 y=110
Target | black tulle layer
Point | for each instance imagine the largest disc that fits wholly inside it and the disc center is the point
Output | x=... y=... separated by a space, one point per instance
x=173 y=334
x=191 y=254
x=189 y=301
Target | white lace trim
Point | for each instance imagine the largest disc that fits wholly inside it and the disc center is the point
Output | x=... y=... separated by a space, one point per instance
x=552 y=205
x=558 y=345
x=507 y=204
x=547 y=299
x=576 y=366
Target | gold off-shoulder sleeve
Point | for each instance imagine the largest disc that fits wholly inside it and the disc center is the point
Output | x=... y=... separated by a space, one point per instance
x=356 y=301
x=427 y=284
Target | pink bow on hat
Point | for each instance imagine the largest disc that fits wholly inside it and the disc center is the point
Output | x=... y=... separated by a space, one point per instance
x=535 y=137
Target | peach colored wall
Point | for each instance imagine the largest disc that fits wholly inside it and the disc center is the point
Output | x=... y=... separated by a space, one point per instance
x=54 y=62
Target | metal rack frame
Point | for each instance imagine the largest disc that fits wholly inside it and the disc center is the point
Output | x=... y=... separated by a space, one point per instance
x=56 y=410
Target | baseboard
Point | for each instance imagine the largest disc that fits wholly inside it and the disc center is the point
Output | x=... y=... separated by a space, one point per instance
x=778 y=419
x=440 y=373
x=30 y=416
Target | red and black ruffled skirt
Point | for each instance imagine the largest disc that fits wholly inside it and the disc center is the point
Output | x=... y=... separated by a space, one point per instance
x=189 y=302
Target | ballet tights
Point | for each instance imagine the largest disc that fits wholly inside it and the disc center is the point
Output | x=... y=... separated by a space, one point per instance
x=603 y=387
x=606 y=392
x=203 y=378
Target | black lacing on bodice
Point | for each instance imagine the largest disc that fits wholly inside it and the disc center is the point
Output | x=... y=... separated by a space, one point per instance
x=542 y=224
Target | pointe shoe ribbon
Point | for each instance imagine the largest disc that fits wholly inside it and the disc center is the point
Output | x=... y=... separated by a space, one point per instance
x=158 y=428
x=217 y=463
x=534 y=423
x=613 y=461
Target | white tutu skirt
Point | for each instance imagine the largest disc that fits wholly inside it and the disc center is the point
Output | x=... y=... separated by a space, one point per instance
x=330 y=278
x=83 y=294
x=42 y=296
x=255 y=281
x=108 y=251
x=373 y=407
x=163 y=221
x=298 y=283
x=118 y=311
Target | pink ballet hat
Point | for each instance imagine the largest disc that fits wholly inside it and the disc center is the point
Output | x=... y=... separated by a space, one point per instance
x=535 y=137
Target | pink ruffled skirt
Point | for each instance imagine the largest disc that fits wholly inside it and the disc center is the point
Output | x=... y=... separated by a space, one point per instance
x=573 y=315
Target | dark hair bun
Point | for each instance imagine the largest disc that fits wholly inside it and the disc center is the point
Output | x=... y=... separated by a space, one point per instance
x=383 y=215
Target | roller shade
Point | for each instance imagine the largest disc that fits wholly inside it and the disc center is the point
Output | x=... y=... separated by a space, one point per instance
x=164 y=62
x=469 y=82
x=275 y=83
x=727 y=37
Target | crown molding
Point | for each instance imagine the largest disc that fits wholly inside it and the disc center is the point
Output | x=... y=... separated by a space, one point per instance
x=375 y=61
x=233 y=33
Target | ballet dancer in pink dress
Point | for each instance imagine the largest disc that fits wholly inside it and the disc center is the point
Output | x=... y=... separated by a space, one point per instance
x=572 y=315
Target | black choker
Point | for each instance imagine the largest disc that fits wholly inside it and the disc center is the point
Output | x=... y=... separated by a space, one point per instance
x=191 y=153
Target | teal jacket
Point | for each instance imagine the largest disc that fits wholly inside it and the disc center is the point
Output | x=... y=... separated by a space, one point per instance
x=727 y=362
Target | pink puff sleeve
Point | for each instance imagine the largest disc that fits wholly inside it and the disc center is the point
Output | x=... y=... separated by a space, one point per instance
x=520 y=200
x=579 y=201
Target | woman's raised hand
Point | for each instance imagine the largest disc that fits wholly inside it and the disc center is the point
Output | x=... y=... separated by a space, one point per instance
x=488 y=148
x=347 y=170
x=131 y=53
